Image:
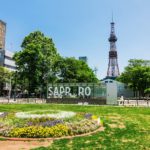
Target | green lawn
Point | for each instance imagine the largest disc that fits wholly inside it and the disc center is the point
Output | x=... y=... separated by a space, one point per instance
x=126 y=128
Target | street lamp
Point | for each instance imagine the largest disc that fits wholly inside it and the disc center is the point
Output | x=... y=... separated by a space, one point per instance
x=15 y=86
x=45 y=77
x=9 y=94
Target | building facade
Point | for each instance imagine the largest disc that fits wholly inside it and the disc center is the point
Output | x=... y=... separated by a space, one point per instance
x=83 y=58
x=121 y=88
x=2 y=34
x=5 y=55
x=6 y=60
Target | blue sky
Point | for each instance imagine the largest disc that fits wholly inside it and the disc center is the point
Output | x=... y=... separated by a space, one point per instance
x=82 y=27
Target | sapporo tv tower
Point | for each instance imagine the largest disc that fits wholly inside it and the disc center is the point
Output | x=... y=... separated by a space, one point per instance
x=113 y=69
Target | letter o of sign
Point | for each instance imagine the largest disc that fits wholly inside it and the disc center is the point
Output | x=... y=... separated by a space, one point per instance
x=87 y=91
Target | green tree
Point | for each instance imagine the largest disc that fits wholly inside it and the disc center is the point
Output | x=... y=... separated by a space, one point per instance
x=147 y=91
x=73 y=70
x=36 y=60
x=137 y=75
x=5 y=76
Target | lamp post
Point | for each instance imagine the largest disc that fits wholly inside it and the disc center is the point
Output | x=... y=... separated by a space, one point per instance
x=45 y=78
x=9 y=94
x=15 y=86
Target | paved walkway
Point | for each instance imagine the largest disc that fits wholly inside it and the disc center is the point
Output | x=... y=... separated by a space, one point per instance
x=142 y=103
x=23 y=145
x=22 y=101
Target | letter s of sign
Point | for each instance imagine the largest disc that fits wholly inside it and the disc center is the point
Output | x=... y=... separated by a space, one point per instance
x=50 y=92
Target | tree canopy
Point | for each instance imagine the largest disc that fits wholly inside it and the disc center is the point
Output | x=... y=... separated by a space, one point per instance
x=36 y=59
x=137 y=75
x=5 y=76
x=73 y=70
x=38 y=63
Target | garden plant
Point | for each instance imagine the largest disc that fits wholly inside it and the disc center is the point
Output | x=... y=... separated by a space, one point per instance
x=47 y=123
x=125 y=128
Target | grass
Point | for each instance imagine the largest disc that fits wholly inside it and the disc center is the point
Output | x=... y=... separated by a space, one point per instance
x=2 y=139
x=126 y=128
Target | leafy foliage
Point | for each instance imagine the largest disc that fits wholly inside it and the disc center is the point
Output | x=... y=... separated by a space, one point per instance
x=38 y=63
x=73 y=70
x=133 y=136
x=147 y=91
x=83 y=126
x=44 y=122
x=3 y=115
x=37 y=127
x=36 y=60
x=39 y=132
x=137 y=75
x=5 y=76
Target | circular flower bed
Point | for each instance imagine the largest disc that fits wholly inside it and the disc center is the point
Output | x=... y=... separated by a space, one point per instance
x=43 y=124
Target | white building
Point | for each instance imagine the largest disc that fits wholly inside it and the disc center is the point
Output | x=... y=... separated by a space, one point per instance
x=121 y=88
x=6 y=60
x=5 y=55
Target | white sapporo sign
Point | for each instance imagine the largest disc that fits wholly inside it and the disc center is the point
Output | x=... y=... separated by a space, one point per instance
x=61 y=91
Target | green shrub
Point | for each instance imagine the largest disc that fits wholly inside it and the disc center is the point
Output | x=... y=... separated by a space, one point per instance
x=83 y=126
x=48 y=127
x=40 y=132
x=36 y=121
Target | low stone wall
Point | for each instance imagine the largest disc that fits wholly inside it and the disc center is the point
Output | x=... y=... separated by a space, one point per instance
x=99 y=101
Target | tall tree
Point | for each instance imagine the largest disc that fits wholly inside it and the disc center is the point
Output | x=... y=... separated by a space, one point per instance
x=137 y=75
x=73 y=70
x=36 y=60
x=5 y=76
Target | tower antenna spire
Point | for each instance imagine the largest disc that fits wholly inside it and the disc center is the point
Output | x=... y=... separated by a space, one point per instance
x=112 y=17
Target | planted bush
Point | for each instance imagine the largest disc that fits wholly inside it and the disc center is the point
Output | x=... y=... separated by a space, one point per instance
x=83 y=126
x=88 y=116
x=36 y=121
x=45 y=126
x=45 y=122
x=3 y=115
x=40 y=132
x=51 y=123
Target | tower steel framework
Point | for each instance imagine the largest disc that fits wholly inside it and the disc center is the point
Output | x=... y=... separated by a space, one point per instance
x=113 y=68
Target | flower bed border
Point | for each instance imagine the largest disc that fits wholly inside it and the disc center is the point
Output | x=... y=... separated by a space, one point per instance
x=53 y=138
